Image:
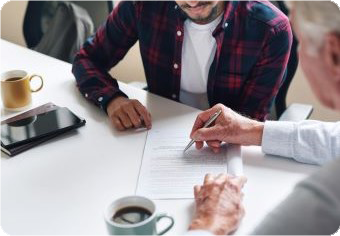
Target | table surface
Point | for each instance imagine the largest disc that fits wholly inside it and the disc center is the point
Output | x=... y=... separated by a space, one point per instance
x=63 y=185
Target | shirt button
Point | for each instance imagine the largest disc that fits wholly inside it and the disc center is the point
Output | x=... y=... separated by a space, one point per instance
x=174 y=96
x=179 y=33
x=100 y=99
x=86 y=95
x=176 y=66
x=176 y=7
x=226 y=25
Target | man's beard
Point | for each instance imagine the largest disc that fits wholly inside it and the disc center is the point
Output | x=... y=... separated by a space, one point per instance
x=201 y=20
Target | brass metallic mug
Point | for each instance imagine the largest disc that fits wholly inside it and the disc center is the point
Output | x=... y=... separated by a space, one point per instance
x=16 y=89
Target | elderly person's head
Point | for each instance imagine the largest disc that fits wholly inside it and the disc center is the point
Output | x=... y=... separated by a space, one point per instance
x=317 y=26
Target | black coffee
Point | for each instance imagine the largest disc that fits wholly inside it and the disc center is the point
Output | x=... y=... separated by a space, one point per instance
x=14 y=79
x=131 y=215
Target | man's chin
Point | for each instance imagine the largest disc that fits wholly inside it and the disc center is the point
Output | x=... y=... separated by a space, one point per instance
x=200 y=19
x=202 y=16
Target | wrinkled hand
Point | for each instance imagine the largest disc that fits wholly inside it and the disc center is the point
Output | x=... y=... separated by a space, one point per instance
x=219 y=206
x=127 y=113
x=229 y=127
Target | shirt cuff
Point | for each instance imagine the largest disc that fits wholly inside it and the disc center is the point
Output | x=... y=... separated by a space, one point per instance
x=277 y=138
x=104 y=97
x=198 y=232
x=108 y=98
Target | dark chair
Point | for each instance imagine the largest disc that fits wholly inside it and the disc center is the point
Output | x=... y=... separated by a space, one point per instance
x=295 y=111
x=38 y=14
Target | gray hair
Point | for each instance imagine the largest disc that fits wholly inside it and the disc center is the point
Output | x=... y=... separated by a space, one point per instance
x=315 y=19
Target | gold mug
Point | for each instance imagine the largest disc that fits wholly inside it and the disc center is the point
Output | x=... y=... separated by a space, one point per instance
x=16 y=89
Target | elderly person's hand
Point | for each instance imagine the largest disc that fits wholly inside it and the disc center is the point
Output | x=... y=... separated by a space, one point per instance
x=218 y=204
x=229 y=127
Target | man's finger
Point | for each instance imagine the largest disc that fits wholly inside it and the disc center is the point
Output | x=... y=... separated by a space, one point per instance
x=197 y=189
x=206 y=134
x=221 y=178
x=144 y=113
x=214 y=143
x=149 y=115
x=117 y=124
x=202 y=118
x=238 y=181
x=209 y=178
x=197 y=125
x=134 y=117
x=199 y=145
x=125 y=120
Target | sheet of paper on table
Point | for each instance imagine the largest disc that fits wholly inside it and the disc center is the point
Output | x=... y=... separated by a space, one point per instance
x=169 y=173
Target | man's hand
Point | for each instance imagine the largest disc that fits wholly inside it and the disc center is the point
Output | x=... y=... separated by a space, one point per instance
x=219 y=206
x=229 y=127
x=127 y=113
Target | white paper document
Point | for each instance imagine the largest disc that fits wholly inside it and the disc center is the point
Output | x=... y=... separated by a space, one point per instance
x=167 y=172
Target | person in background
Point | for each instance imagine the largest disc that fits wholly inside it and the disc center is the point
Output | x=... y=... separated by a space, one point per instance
x=199 y=53
x=314 y=205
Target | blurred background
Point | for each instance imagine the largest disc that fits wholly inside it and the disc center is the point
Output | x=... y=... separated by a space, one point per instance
x=16 y=22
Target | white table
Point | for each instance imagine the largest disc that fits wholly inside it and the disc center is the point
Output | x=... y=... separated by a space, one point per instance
x=62 y=187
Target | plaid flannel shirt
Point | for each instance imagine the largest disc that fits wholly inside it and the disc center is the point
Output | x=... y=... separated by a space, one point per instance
x=253 y=47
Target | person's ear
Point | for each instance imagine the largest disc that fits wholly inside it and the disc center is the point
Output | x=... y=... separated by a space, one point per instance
x=332 y=54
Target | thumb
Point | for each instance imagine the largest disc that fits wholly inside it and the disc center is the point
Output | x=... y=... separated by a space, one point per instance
x=205 y=134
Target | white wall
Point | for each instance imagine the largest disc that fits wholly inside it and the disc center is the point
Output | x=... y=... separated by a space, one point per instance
x=12 y=18
x=131 y=68
x=300 y=91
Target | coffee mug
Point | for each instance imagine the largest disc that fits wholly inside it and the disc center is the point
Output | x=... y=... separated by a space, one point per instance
x=16 y=89
x=134 y=215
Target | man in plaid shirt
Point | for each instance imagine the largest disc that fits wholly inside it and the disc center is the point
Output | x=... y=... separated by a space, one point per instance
x=196 y=52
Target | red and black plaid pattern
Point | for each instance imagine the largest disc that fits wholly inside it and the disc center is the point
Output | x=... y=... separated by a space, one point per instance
x=253 y=46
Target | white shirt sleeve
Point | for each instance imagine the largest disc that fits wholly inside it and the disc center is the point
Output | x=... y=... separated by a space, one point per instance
x=198 y=232
x=308 y=141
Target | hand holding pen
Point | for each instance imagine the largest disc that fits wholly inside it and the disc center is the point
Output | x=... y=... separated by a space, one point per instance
x=211 y=120
x=230 y=127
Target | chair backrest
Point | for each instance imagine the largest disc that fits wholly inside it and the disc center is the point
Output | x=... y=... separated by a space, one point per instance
x=32 y=23
x=279 y=104
x=38 y=12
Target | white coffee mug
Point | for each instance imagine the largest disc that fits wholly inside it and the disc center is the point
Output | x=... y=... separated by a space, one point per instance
x=148 y=226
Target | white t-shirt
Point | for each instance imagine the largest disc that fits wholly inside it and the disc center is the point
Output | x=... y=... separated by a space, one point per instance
x=198 y=52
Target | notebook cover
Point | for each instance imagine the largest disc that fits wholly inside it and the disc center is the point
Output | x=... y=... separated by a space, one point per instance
x=35 y=111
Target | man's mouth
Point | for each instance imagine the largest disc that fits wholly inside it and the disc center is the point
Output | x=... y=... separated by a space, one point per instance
x=196 y=9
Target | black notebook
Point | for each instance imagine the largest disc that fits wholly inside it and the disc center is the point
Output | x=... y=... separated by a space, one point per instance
x=38 y=125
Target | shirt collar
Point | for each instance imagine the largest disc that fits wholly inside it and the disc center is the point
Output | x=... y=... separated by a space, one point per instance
x=229 y=11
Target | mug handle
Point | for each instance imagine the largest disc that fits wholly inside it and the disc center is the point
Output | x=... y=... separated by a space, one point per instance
x=41 y=85
x=160 y=216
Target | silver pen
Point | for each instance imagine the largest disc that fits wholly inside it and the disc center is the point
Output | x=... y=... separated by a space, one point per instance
x=211 y=119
